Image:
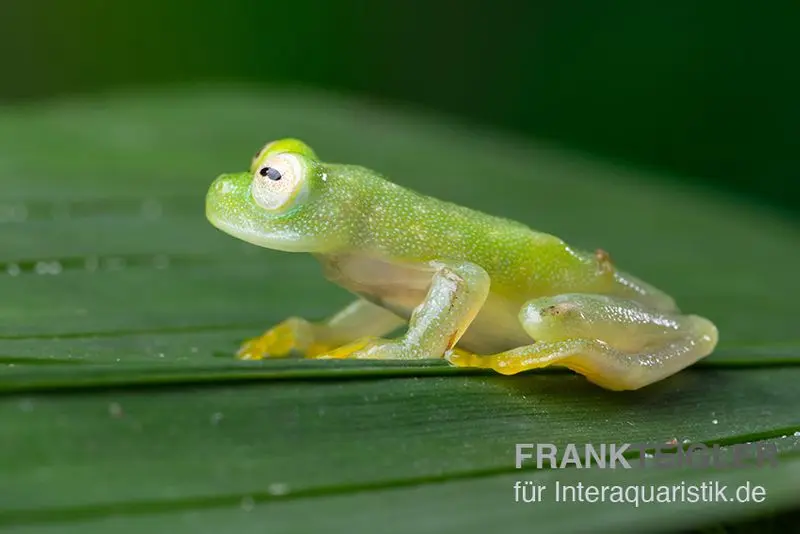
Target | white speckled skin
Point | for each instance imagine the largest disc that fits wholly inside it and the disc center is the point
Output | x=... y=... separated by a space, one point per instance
x=515 y=298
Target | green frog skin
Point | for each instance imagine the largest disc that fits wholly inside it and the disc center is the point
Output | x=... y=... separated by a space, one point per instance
x=478 y=290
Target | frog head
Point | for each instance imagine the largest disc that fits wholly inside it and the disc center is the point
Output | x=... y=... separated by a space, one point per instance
x=288 y=201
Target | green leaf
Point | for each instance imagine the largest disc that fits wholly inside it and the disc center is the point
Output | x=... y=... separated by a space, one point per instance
x=123 y=409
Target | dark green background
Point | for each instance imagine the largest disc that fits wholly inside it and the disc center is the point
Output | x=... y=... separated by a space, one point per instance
x=705 y=89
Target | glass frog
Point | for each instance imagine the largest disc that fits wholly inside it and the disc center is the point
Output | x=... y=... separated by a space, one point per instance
x=478 y=290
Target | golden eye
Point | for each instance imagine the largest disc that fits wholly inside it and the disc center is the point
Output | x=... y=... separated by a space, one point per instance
x=279 y=182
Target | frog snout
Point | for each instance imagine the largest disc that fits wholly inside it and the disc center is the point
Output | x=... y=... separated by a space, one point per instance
x=224 y=184
x=225 y=195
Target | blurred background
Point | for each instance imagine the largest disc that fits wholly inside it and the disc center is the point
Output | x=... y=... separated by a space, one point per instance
x=705 y=90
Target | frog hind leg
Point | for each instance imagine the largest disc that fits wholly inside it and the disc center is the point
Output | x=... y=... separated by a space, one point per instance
x=358 y=319
x=616 y=343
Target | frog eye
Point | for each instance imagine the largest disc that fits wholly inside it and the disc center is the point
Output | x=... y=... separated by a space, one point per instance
x=259 y=154
x=279 y=182
x=270 y=172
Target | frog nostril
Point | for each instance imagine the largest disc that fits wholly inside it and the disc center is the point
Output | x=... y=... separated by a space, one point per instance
x=223 y=186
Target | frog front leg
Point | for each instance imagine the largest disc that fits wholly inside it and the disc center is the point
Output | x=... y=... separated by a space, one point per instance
x=616 y=343
x=456 y=293
x=358 y=319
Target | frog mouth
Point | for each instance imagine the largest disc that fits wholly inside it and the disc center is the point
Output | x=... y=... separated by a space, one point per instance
x=279 y=239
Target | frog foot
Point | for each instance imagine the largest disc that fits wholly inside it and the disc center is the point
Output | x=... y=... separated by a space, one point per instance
x=293 y=334
x=369 y=348
x=461 y=358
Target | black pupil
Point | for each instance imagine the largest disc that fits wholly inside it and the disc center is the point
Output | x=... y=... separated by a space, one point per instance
x=269 y=172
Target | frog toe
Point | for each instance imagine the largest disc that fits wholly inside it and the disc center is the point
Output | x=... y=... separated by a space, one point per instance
x=371 y=348
x=292 y=334
x=350 y=350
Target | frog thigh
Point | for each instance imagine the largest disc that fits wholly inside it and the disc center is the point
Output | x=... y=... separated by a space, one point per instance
x=616 y=343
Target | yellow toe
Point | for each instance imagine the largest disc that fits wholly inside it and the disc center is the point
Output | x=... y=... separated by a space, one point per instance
x=275 y=343
x=344 y=351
